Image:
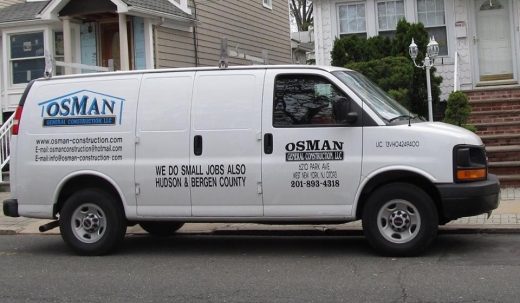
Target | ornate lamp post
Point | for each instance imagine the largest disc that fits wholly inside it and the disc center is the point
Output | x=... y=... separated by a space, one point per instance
x=432 y=50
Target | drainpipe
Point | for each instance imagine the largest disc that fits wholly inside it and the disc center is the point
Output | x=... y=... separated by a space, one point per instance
x=195 y=40
x=156 y=42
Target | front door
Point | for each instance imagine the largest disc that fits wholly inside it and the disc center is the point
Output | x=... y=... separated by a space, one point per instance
x=493 y=40
x=109 y=44
x=225 y=146
x=311 y=163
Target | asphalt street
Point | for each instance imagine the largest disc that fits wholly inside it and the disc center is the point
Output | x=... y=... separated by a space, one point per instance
x=203 y=268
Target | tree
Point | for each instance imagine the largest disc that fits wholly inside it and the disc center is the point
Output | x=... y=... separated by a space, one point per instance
x=301 y=11
x=352 y=51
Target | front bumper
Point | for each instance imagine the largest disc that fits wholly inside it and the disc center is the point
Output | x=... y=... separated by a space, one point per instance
x=11 y=208
x=469 y=199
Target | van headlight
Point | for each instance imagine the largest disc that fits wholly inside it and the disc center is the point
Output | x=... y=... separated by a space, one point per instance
x=469 y=163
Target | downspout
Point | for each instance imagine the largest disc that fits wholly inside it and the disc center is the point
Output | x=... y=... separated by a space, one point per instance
x=195 y=39
x=156 y=42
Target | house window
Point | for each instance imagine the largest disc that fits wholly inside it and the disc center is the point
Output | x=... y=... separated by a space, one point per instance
x=388 y=14
x=26 y=57
x=432 y=14
x=268 y=3
x=59 y=53
x=352 y=20
x=305 y=101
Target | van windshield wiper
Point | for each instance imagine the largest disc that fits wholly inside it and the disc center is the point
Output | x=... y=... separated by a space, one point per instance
x=401 y=117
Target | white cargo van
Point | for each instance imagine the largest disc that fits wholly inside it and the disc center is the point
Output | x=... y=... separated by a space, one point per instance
x=266 y=144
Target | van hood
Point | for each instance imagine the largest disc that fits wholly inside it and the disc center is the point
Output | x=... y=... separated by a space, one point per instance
x=465 y=135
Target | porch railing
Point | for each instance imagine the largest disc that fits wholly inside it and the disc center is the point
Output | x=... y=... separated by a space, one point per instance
x=5 y=143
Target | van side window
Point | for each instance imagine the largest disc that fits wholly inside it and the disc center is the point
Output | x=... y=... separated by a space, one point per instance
x=304 y=100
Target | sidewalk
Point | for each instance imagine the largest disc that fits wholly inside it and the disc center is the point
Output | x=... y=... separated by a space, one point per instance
x=505 y=219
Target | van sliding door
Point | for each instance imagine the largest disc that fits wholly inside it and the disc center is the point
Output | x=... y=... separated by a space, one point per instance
x=225 y=143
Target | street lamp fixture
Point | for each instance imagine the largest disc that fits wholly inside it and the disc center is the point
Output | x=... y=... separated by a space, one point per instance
x=432 y=50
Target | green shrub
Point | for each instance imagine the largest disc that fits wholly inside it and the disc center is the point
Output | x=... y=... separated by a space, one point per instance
x=355 y=49
x=392 y=74
x=352 y=51
x=458 y=111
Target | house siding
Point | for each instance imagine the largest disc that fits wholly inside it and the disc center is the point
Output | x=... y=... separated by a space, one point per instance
x=6 y=3
x=324 y=39
x=244 y=23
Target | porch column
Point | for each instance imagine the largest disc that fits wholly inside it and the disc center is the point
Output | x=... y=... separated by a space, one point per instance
x=67 y=44
x=123 y=43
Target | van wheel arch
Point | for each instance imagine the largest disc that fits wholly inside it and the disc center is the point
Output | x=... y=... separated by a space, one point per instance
x=81 y=182
x=401 y=176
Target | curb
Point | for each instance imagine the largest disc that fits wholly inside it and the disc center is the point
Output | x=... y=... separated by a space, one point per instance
x=354 y=231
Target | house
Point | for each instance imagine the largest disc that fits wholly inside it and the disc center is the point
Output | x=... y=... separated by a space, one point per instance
x=302 y=44
x=96 y=35
x=484 y=34
x=479 y=54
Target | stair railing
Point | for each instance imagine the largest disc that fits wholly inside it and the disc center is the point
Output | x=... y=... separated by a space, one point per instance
x=5 y=143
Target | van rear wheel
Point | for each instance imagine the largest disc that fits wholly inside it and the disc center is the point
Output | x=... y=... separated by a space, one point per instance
x=92 y=222
x=400 y=219
x=161 y=229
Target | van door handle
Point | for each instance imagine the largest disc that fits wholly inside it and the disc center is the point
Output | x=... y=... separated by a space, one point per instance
x=197 y=145
x=268 y=144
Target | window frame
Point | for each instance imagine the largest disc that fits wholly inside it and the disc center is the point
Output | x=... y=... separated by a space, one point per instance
x=338 y=18
x=10 y=61
x=306 y=125
x=410 y=9
x=445 y=26
x=378 y=30
x=55 y=55
x=267 y=4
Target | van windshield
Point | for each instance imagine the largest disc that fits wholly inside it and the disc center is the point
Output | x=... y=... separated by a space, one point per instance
x=374 y=96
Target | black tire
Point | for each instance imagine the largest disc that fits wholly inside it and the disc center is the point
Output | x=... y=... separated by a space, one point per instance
x=161 y=228
x=400 y=219
x=92 y=222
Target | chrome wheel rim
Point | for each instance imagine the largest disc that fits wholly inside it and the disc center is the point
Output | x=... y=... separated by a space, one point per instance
x=399 y=221
x=88 y=223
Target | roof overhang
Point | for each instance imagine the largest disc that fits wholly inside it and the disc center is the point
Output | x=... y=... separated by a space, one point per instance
x=24 y=23
x=51 y=12
x=145 y=13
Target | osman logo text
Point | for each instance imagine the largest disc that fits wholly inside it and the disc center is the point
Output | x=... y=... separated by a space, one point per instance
x=82 y=108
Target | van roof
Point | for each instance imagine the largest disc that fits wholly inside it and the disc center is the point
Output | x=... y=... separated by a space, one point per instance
x=208 y=68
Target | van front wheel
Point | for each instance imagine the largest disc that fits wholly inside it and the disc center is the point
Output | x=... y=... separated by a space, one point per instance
x=92 y=222
x=400 y=219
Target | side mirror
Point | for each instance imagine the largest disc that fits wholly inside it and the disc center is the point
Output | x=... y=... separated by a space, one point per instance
x=341 y=111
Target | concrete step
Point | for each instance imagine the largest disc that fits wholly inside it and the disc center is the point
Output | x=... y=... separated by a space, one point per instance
x=5 y=176
x=498 y=103
x=501 y=140
x=503 y=153
x=505 y=168
x=509 y=181
x=497 y=128
x=5 y=186
x=494 y=116
x=494 y=93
